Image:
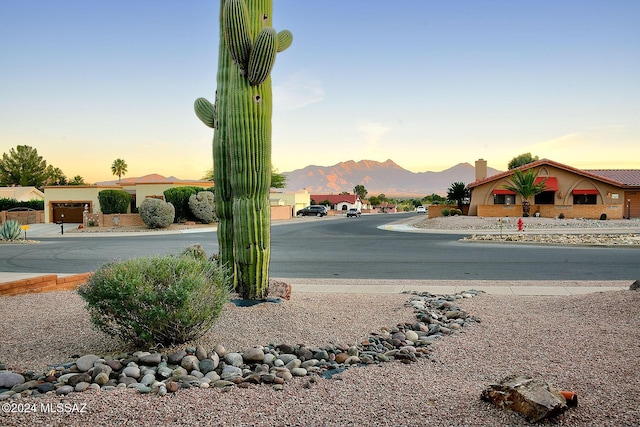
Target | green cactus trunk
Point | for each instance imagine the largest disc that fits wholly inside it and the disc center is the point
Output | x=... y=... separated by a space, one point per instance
x=249 y=126
x=222 y=157
x=242 y=141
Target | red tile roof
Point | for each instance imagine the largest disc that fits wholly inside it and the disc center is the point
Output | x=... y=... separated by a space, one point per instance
x=629 y=177
x=600 y=175
x=334 y=198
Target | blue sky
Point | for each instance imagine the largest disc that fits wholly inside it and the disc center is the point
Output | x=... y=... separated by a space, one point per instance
x=426 y=83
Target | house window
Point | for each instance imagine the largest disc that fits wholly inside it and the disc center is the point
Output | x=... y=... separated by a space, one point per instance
x=544 y=198
x=585 y=199
x=504 y=199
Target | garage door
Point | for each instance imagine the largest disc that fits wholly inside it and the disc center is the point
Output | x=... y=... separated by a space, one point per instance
x=72 y=212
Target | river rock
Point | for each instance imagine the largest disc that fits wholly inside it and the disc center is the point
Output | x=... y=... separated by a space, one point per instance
x=176 y=358
x=131 y=371
x=86 y=362
x=253 y=355
x=150 y=359
x=10 y=379
x=201 y=353
x=190 y=363
x=65 y=389
x=206 y=365
x=233 y=359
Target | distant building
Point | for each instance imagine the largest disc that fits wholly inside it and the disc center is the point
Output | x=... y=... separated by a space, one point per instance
x=339 y=202
x=21 y=194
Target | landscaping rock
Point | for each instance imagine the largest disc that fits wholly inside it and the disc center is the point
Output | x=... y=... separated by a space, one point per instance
x=534 y=399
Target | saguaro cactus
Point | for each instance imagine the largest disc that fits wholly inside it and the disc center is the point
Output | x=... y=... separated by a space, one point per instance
x=242 y=139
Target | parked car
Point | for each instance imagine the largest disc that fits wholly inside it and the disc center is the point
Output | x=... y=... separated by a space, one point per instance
x=421 y=209
x=313 y=210
x=354 y=213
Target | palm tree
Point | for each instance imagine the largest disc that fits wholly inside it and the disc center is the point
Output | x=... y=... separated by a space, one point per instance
x=119 y=167
x=524 y=184
x=458 y=192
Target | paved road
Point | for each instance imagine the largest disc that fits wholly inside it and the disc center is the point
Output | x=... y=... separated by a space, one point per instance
x=346 y=248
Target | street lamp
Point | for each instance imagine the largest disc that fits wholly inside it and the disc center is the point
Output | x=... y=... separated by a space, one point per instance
x=62 y=224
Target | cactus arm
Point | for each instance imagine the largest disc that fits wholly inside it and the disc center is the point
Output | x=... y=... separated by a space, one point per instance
x=205 y=111
x=235 y=27
x=263 y=56
x=285 y=38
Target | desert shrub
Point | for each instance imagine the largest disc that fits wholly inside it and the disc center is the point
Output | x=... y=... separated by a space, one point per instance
x=114 y=201
x=455 y=211
x=445 y=212
x=179 y=197
x=161 y=300
x=156 y=213
x=603 y=217
x=202 y=205
x=7 y=203
x=561 y=216
x=10 y=230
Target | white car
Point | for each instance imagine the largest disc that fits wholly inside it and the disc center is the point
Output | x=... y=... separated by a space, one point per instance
x=421 y=209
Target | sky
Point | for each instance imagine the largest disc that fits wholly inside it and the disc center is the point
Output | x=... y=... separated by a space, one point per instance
x=428 y=84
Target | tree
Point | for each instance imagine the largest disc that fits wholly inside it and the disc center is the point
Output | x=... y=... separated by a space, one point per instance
x=278 y=180
x=119 y=167
x=24 y=167
x=524 y=185
x=458 y=192
x=77 y=180
x=374 y=201
x=360 y=191
x=56 y=176
x=521 y=160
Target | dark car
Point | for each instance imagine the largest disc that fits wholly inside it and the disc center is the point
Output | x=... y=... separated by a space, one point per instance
x=313 y=210
x=354 y=213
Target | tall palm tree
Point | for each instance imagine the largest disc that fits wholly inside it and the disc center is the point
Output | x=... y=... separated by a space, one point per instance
x=458 y=192
x=119 y=167
x=524 y=185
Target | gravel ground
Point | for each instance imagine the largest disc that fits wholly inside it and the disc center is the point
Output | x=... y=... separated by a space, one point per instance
x=585 y=343
x=530 y=223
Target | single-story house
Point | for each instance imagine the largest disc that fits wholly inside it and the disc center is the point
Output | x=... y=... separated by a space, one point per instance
x=21 y=194
x=339 y=202
x=72 y=200
x=569 y=191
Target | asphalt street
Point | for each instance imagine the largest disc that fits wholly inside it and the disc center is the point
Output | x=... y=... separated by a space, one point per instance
x=348 y=248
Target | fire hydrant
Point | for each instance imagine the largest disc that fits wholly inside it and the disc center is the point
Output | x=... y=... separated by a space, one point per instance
x=520 y=224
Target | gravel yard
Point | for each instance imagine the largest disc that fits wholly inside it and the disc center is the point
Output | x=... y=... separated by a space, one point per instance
x=585 y=343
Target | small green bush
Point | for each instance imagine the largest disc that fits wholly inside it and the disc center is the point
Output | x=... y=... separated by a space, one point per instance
x=161 y=300
x=445 y=212
x=561 y=216
x=179 y=197
x=114 y=201
x=156 y=213
x=202 y=205
x=455 y=211
x=10 y=230
x=603 y=217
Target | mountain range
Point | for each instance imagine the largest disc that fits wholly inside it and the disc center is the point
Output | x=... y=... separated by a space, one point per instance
x=378 y=178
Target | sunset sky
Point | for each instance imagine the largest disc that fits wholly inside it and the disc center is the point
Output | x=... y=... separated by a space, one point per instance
x=426 y=83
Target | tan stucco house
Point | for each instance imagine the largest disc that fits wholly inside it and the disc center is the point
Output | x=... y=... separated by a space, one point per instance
x=21 y=194
x=572 y=192
x=72 y=200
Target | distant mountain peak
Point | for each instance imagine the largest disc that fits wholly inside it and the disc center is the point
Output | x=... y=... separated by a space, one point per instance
x=378 y=177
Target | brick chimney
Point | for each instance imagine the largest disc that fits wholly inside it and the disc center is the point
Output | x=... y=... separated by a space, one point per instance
x=481 y=169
